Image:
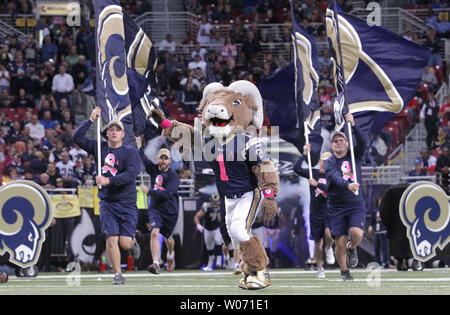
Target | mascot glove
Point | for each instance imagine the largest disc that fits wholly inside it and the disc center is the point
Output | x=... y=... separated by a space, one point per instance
x=269 y=208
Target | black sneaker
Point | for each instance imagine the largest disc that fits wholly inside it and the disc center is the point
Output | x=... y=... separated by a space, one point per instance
x=153 y=268
x=352 y=256
x=402 y=264
x=346 y=275
x=135 y=251
x=118 y=279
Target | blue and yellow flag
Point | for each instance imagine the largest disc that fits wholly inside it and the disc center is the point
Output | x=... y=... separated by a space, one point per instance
x=376 y=71
x=125 y=68
x=290 y=95
x=306 y=84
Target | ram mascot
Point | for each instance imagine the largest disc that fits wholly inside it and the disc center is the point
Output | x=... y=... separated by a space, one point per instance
x=244 y=174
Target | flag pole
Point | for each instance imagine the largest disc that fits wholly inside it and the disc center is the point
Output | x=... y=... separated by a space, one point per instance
x=99 y=149
x=344 y=87
x=309 y=151
x=305 y=124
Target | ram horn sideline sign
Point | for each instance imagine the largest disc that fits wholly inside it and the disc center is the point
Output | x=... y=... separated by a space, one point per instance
x=25 y=213
x=425 y=211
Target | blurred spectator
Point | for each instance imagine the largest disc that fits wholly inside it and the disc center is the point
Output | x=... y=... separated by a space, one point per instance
x=191 y=96
x=326 y=78
x=204 y=30
x=47 y=120
x=434 y=42
x=229 y=51
x=18 y=70
x=197 y=63
x=168 y=44
x=408 y=35
x=5 y=56
x=44 y=181
x=66 y=169
x=73 y=57
x=14 y=133
x=37 y=130
x=323 y=96
x=22 y=101
x=443 y=26
x=52 y=173
x=417 y=171
x=198 y=50
x=77 y=154
x=62 y=86
x=5 y=78
x=429 y=114
x=427 y=161
x=217 y=41
x=443 y=168
x=185 y=43
x=28 y=154
x=38 y=163
x=11 y=174
x=48 y=50
x=80 y=72
x=55 y=155
x=442 y=138
x=444 y=112
x=431 y=18
x=5 y=99
x=251 y=46
x=430 y=79
x=270 y=63
x=17 y=164
x=14 y=45
x=250 y=6
x=325 y=60
x=223 y=10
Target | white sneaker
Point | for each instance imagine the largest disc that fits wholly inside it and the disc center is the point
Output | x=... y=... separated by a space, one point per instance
x=330 y=256
x=320 y=273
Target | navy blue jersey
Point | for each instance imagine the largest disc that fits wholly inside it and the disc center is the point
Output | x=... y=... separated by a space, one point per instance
x=318 y=195
x=340 y=172
x=121 y=165
x=233 y=162
x=213 y=216
x=164 y=187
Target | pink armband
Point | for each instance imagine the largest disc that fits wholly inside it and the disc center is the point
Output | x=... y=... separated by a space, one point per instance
x=165 y=124
x=268 y=193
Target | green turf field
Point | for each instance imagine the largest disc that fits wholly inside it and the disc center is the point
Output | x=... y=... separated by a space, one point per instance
x=196 y=282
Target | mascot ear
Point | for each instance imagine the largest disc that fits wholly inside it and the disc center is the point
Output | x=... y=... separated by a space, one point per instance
x=249 y=89
x=212 y=87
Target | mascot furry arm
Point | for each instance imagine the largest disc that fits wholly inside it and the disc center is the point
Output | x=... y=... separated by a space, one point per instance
x=225 y=110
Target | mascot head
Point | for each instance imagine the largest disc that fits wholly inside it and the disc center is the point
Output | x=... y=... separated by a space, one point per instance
x=231 y=109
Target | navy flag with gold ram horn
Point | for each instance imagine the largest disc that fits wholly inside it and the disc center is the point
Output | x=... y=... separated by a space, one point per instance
x=125 y=64
x=306 y=84
x=381 y=69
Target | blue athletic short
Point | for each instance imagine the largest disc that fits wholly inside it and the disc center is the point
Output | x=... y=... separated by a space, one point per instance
x=164 y=221
x=341 y=223
x=318 y=226
x=118 y=219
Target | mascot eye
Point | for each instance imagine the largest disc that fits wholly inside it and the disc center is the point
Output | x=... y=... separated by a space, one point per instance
x=236 y=102
x=418 y=234
x=30 y=237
